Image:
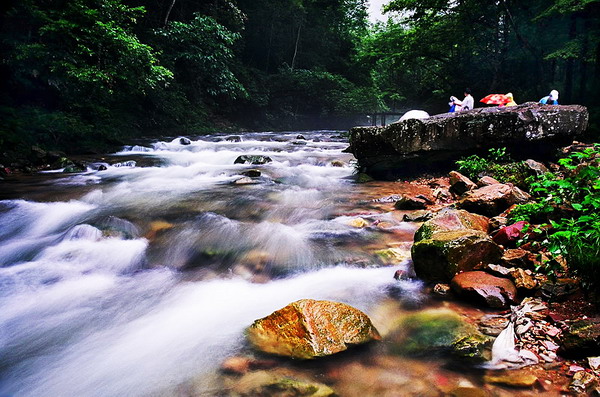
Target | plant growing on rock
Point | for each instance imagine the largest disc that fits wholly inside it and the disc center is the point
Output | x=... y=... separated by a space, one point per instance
x=497 y=164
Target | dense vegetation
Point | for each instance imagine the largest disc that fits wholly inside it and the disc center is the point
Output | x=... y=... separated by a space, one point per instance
x=81 y=73
x=564 y=215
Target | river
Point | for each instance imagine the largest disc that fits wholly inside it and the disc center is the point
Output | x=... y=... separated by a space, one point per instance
x=140 y=275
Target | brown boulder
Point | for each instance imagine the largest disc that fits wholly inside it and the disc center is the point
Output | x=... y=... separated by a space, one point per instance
x=460 y=184
x=493 y=291
x=309 y=328
x=492 y=200
x=518 y=258
x=411 y=203
x=451 y=219
x=445 y=254
x=486 y=181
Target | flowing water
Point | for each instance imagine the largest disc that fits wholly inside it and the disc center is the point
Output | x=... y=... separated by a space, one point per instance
x=142 y=273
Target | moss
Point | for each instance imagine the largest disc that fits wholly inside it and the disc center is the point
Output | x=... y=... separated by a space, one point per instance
x=442 y=331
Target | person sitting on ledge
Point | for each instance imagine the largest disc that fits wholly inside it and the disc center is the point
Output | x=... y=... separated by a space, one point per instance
x=551 y=99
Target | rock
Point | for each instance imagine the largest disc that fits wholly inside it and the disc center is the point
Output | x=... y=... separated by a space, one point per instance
x=184 y=141
x=265 y=384
x=402 y=275
x=582 y=382
x=493 y=291
x=300 y=137
x=417 y=216
x=467 y=391
x=245 y=181
x=510 y=234
x=410 y=203
x=523 y=279
x=438 y=330
x=234 y=138
x=393 y=256
x=513 y=379
x=252 y=173
x=450 y=219
x=486 y=181
x=460 y=184
x=410 y=146
x=112 y=226
x=582 y=339
x=74 y=168
x=535 y=167
x=594 y=363
x=337 y=163
x=492 y=324
x=445 y=254
x=309 y=328
x=518 y=258
x=358 y=222
x=252 y=159
x=442 y=290
x=492 y=200
x=559 y=290
x=242 y=364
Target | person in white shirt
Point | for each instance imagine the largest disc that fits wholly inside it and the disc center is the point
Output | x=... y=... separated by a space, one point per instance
x=466 y=104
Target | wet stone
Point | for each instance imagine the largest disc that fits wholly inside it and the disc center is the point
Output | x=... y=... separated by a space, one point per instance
x=493 y=324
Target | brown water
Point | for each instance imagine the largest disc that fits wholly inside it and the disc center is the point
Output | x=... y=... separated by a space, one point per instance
x=140 y=279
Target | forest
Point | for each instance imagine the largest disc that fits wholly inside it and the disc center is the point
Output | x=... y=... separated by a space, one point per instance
x=81 y=75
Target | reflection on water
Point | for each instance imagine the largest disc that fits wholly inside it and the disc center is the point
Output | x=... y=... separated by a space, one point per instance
x=131 y=280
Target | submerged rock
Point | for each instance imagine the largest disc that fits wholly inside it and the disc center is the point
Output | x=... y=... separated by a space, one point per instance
x=412 y=145
x=445 y=254
x=438 y=330
x=309 y=328
x=252 y=159
x=267 y=384
x=493 y=291
x=582 y=339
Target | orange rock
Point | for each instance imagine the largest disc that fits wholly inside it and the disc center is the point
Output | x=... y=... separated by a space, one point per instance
x=309 y=328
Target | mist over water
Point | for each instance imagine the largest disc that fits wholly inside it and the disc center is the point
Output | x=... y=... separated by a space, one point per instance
x=143 y=279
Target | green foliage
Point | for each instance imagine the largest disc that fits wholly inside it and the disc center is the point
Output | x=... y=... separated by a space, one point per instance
x=572 y=201
x=473 y=166
x=496 y=164
x=201 y=52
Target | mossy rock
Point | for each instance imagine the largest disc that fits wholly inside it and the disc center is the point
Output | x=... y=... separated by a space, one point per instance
x=439 y=331
x=265 y=384
x=445 y=254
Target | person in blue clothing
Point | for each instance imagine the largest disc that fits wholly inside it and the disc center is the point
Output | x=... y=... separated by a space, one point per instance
x=551 y=99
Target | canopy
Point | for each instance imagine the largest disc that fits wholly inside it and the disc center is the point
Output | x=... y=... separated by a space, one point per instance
x=496 y=99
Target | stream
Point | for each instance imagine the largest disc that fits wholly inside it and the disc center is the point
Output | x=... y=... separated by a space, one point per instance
x=140 y=275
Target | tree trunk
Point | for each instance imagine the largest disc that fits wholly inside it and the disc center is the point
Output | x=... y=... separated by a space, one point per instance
x=169 y=13
x=296 y=47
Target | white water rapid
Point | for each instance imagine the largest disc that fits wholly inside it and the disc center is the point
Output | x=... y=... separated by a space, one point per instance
x=143 y=279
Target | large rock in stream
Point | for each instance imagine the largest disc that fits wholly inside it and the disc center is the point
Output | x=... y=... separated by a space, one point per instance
x=309 y=328
x=411 y=145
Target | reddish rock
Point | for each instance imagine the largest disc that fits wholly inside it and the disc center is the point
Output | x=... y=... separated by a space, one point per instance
x=486 y=181
x=493 y=200
x=510 y=234
x=411 y=203
x=460 y=184
x=493 y=291
x=309 y=328
x=451 y=219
